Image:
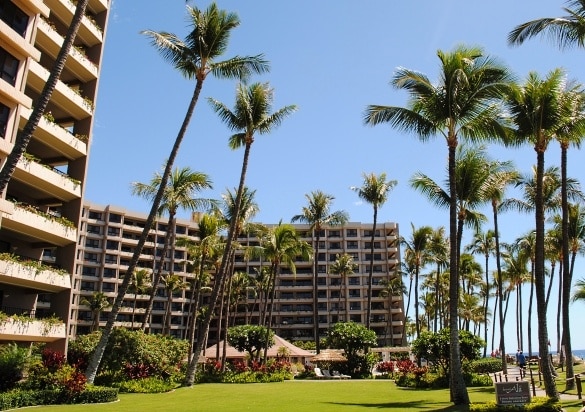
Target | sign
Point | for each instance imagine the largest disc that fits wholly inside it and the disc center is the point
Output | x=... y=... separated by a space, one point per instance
x=512 y=393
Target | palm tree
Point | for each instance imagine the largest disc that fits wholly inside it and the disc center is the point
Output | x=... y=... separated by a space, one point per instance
x=179 y=194
x=438 y=250
x=97 y=303
x=196 y=57
x=251 y=115
x=317 y=214
x=566 y=31
x=394 y=286
x=139 y=285
x=484 y=243
x=344 y=267
x=458 y=106
x=173 y=283
x=539 y=110
x=503 y=174
x=416 y=253
x=280 y=245
x=375 y=191
x=23 y=138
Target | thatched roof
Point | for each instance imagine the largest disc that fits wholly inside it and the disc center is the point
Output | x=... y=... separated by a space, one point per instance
x=273 y=352
x=329 y=355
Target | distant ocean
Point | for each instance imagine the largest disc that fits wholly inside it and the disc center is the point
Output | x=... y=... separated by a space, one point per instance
x=580 y=353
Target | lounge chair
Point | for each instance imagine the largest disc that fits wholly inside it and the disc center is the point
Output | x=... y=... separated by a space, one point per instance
x=319 y=374
x=329 y=376
x=340 y=375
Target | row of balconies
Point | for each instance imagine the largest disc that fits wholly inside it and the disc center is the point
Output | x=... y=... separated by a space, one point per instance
x=39 y=330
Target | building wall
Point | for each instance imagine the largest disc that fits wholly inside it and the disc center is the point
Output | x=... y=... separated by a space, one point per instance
x=40 y=207
x=108 y=236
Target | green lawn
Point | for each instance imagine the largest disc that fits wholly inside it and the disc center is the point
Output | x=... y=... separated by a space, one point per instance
x=294 y=396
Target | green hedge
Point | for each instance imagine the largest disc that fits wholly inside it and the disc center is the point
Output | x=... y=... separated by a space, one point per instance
x=486 y=365
x=19 y=398
x=535 y=405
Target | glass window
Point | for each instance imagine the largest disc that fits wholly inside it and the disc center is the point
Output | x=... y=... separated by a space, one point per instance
x=4 y=115
x=8 y=67
x=14 y=17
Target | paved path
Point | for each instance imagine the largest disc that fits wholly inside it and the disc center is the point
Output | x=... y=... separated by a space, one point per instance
x=514 y=375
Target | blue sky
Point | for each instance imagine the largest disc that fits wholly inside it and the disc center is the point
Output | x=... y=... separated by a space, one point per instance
x=331 y=58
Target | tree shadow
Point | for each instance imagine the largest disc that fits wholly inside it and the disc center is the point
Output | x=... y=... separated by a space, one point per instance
x=419 y=405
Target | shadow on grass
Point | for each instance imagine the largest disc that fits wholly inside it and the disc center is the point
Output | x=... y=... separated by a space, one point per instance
x=404 y=406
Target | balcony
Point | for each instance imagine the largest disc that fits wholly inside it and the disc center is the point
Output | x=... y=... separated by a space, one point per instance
x=77 y=63
x=64 y=10
x=16 y=44
x=54 y=136
x=25 y=330
x=63 y=96
x=38 y=227
x=47 y=180
x=32 y=275
x=12 y=94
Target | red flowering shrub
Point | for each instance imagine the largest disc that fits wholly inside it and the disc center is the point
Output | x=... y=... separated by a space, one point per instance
x=240 y=366
x=52 y=360
x=405 y=366
x=137 y=371
x=385 y=367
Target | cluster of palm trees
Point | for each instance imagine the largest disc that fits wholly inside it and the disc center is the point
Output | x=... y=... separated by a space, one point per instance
x=476 y=98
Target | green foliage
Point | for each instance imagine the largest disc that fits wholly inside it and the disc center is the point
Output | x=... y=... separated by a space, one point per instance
x=355 y=339
x=535 y=405
x=146 y=385
x=13 y=363
x=486 y=365
x=20 y=398
x=250 y=338
x=128 y=351
x=475 y=380
x=435 y=348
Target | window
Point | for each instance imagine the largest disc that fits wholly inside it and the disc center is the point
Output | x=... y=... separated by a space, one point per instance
x=111 y=259
x=377 y=256
x=376 y=245
x=335 y=245
x=93 y=229
x=93 y=243
x=114 y=231
x=112 y=245
x=95 y=215
x=4 y=115
x=8 y=66
x=352 y=244
x=90 y=257
x=354 y=293
x=87 y=271
x=14 y=17
x=115 y=218
x=351 y=232
x=334 y=233
x=109 y=273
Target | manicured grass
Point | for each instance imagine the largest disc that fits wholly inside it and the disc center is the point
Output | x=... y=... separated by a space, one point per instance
x=294 y=396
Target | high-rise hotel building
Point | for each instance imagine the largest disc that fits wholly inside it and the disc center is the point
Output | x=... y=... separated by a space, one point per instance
x=41 y=205
x=109 y=235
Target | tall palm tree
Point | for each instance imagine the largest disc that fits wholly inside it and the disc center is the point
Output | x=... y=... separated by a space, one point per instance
x=438 y=250
x=317 y=214
x=97 y=303
x=173 y=283
x=23 y=138
x=375 y=191
x=566 y=31
x=459 y=105
x=251 y=115
x=195 y=58
x=139 y=285
x=393 y=286
x=502 y=175
x=179 y=193
x=280 y=245
x=484 y=243
x=537 y=111
x=344 y=267
x=416 y=252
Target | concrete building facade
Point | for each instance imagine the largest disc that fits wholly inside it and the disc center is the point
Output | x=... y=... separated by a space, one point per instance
x=41 y=205
x=108 y=236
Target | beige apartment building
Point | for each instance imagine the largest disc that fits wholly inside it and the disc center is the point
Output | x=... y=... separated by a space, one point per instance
x=108 y=236
x=41 y=206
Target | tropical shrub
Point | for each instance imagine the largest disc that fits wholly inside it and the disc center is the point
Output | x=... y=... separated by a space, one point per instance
x=20 y=398
x=537 y=404
x=355 y=340
x=13 y=362
x=486 y=365
x=252 y=339
x=146 y=385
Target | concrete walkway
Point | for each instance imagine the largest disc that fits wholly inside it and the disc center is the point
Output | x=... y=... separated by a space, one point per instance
x=514 y=375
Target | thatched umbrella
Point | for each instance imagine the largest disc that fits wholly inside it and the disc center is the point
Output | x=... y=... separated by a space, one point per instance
x=327 y=357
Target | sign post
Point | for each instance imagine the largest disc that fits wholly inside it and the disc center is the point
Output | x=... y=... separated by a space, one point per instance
x=512 y=393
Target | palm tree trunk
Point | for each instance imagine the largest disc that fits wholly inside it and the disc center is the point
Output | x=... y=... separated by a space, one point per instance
x=550 y=283
x=539 y=275
x=500 y=289
x=486 y=303
x=371 y=271
x=560 y=309
x=416 y=312
x=567 y=272
x=271 y=306
x=122 y=288
x=317 y=238
x=458 y=390
x=23 y=138
x=529 y=323
x=407 y=305
x=190 y=375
